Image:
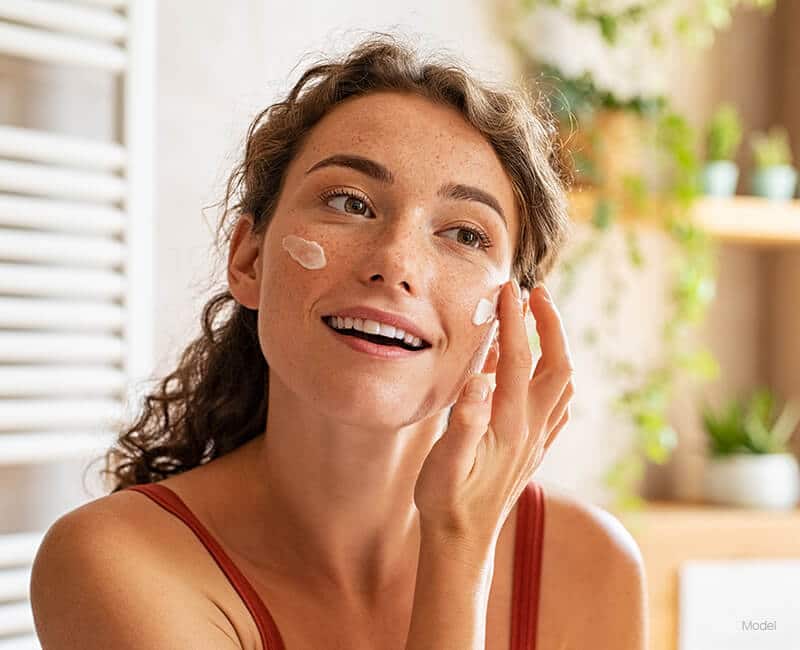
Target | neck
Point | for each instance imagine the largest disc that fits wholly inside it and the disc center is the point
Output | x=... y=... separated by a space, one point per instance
x=334 y=504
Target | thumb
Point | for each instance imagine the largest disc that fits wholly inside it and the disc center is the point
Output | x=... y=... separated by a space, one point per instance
x=469 y=419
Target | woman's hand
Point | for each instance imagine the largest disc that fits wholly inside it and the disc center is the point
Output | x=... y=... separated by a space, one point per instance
x=477 y=469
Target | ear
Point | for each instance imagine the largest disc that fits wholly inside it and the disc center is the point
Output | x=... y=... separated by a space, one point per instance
x=244 y=260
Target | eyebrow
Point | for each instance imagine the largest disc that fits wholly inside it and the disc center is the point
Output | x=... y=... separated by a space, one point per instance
x=455 y=191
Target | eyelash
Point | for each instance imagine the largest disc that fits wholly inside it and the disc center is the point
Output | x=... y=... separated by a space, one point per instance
x=483 y=238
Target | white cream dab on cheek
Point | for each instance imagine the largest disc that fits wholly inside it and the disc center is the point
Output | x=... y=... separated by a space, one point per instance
x=485 y=310
x=308 y=254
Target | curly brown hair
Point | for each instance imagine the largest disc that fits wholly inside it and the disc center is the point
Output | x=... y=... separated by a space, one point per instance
x=216 y=399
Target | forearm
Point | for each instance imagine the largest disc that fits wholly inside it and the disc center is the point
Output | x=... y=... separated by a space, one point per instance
x=451 y=597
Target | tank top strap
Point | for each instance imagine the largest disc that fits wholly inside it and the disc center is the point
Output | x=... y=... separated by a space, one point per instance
x=171 y=502
x=527 y=567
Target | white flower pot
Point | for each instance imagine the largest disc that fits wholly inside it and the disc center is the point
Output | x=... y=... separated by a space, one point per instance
x=770 y=481
x=719 y=178
x=777 y=183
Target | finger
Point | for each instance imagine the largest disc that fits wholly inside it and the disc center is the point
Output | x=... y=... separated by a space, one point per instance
x=469 y=420
x=553 y=336
x=539 y=450
x=547 y=435
x=491 y=358
x=554 y=368
x=484 y=358
x=561 y=424
x=561 y=406
x=493 y=353
x=513 y=371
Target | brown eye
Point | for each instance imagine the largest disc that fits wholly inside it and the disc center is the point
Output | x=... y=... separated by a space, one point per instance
x=349 y=201
x=473 y=236
x=357 y=204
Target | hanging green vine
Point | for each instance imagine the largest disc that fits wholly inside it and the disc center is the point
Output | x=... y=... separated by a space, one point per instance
x=648 y=392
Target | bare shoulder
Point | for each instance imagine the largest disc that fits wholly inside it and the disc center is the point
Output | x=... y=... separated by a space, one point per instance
x=600 y=530
x=596 y=563
x=98 y=582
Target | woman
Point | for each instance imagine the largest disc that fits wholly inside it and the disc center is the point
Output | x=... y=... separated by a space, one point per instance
x=352 y=493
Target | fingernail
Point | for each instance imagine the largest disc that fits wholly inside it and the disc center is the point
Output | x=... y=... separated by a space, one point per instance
x=477 y=389
x=515 y=288
x=546 y=294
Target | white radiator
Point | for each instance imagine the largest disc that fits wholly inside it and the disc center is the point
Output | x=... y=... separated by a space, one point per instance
x=76 y=261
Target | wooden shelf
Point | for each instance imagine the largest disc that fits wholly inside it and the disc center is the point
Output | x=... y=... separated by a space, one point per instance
x=751 y=220
x=665 y=507
x=747 y=220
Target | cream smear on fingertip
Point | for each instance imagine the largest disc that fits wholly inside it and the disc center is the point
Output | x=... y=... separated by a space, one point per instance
x=308 y=254
x=485 y=311
x=481 y=354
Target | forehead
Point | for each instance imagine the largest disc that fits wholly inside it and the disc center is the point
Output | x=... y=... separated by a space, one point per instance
x=423 y=143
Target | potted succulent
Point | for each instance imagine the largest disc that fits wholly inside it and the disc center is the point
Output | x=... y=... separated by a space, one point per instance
x=723 y=136
x=750 y=463
x=775 y=177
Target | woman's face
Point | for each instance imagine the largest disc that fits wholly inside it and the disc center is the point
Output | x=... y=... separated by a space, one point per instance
x=397 y=245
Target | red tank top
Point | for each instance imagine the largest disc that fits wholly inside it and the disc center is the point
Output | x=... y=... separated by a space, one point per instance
x=527 y=565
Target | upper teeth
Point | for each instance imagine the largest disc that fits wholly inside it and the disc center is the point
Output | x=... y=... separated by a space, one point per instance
x=374 y=327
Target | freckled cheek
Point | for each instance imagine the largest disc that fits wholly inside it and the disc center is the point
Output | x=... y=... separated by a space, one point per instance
x=287 y=284
x=302 y=265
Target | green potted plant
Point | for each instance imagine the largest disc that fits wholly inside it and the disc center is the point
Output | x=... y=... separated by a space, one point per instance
x=750 y=464
x=775 y=178
x=723 y=136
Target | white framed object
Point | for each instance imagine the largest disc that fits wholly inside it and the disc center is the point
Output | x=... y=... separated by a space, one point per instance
x=739 y=604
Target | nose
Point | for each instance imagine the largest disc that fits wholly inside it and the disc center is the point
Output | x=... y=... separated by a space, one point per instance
x=397 y=258
x=379 y=278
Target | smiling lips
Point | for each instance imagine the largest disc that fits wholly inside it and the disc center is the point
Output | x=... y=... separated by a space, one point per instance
x=382 y=318
x=375 y=331
x=371 y=347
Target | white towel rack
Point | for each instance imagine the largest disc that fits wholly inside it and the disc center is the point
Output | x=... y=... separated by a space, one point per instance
x=76 y=260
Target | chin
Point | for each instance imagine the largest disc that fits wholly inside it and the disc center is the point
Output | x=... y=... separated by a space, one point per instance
x=373 y=409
